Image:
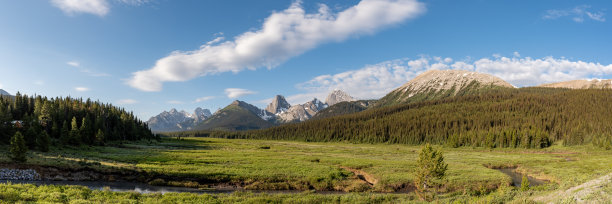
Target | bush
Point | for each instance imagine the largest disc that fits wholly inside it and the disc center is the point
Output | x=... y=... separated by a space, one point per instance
x=524 y=183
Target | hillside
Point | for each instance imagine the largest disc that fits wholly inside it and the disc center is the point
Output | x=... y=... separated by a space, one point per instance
x=239 y=115
x=526 y=117
x=435 y=84
x=581 y=84
x=343 y=108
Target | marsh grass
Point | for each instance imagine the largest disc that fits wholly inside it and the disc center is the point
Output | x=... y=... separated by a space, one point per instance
x=317 y=166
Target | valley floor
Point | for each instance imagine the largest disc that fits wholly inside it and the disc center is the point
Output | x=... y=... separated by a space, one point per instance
x=377 y=172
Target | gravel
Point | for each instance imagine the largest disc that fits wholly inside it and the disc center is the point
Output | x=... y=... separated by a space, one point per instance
x=19 y=174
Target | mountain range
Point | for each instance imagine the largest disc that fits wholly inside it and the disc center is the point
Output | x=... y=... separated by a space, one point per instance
x=430 y=85
x=3 y=92
x=174 y=120
x=240 y=115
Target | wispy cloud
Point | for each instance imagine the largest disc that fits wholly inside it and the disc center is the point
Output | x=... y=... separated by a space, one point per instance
x=81 y=89
x=577 y=14
x=374 y=81
x=96 y=7
x=236 y=92
x=89 y=72
x=174 y=102
x=205 y=98
x=283 y=35
x=72 y=7
x=127 y=101
x=74 y=63
x=39 y=82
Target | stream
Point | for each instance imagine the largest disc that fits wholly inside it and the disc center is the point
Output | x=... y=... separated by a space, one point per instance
x=517 y=178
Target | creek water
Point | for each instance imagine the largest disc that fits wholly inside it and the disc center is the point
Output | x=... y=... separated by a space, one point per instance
x=116 y=186
x=121 y=186
x=517 y=178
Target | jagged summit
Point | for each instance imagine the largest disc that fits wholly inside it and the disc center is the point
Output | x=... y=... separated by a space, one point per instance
x=337 y=96
x=302 y=112
x=581 y=84
x=175 y=120
x=278 y=105
x=442 y=83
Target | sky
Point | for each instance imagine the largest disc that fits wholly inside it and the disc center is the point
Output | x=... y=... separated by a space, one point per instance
x=153 y=55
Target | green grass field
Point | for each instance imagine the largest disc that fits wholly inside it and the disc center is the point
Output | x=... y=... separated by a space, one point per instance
x=280 y=165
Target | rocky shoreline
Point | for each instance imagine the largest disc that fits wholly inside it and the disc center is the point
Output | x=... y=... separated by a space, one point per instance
x=19 y=174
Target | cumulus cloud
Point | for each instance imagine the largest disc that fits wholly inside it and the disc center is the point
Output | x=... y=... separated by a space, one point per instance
x=81 y=89
x=236 y=92
x=577 y=14
x=374 y=81
x=127 y=101
x=283 y=35
x=205 y=98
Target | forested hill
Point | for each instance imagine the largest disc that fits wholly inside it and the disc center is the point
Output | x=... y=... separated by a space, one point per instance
x=526 y=117
x=67 y=121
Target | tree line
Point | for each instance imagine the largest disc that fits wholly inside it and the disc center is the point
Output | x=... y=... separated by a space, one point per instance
x=517 y=118
x=43 y=121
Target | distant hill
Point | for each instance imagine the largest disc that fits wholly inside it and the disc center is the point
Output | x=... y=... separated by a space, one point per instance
x=581 y=84
x=343 y=108
x=239 y=115
x=435 y=84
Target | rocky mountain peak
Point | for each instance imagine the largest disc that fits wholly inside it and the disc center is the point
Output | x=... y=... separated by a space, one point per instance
x=3 y=92
x=337 y=96
x=581 y=84
x=434 y=84
x=448 y=79
x=175 y=120
x=278 y=105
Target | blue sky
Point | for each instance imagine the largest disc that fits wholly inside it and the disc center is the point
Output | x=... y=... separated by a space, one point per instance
x=153 y=55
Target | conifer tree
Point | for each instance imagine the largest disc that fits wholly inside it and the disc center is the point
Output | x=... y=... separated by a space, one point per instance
x=42 y=141
x=18 y=148
x=75 y=133
x=429 y=172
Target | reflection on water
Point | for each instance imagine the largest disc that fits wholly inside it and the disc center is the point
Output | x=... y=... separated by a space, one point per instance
x=115 y=186
x=517 y=178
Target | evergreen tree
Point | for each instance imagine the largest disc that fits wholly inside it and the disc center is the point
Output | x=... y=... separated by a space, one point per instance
x=75 y=133
x=55 y=130
x=18 y=148
x=87 y=135
x=65 y=133
x=42 y=141
x=30 y=137
x=429 y=172
x=100 y=137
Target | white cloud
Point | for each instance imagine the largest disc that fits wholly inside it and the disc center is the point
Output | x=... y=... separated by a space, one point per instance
x=127 y=101
x=205 y=98
x=81 y=89
x=235 y=92
x=375 y=81
x=95 y=7
x=39 y=82
x=283 y=35
x=74 y=63
x=174 y=102
x=72 y=7
x=577 y=14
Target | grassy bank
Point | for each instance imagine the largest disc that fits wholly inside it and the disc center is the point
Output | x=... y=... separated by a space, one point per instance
x=277 y=165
